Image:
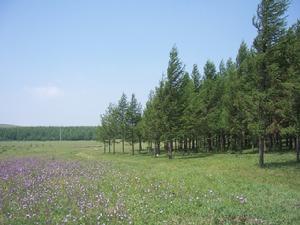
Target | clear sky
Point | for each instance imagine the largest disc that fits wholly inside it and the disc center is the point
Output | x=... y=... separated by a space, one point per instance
x=62 y=62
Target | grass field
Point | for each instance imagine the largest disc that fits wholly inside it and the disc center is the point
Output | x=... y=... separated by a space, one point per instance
x=75 y=183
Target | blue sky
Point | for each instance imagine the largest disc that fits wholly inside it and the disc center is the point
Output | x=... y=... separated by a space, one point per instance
x=62 y=62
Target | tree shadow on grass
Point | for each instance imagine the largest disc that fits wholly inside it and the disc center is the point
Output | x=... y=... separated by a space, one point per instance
x=286 y=164
x=193 y=155
x=177 y=155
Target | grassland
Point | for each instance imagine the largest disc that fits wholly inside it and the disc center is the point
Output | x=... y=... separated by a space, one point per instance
x=75 y=183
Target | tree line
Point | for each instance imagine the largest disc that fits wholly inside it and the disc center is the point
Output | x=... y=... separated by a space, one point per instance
x=250 y=102
x=43 y=133
x=121 y=121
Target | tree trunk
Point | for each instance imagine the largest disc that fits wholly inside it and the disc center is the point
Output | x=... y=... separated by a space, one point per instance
x=276 y=141
x=123 y=145
x=132 y=146
x=209 y=143
x=109 y=145
x=298 y=148
x=241 y=143
x=170 y=150
x=222 y=142
x=180 y=145
x=228 y=142
x=280 y=143
x=140 y=144
x=193 y=144
x=271 y=144
x=184 y=146
x=104 y=146
x=114 y=146
x=235 y=143
x=290 y=143
x=286 y=143
x=261 y=146
x=158 y=147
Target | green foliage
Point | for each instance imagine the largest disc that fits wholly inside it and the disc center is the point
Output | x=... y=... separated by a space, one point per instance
x=40 y=133
x=196 y=79
x=252 y=99
x=133 y=117
x=270 y=23
x=172 y=107
x=210 y=71
x=121 y=122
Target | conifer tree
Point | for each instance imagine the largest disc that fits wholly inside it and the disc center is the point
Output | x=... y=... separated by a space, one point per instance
x=270 y=24
x=122 y=109
x=196 y=79
x=172 y=94
x=133 y=115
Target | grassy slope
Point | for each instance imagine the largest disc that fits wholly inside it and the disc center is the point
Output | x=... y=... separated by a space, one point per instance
x=196 y=189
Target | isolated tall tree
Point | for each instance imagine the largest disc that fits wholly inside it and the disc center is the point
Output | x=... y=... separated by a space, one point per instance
x=172 y=108
x=270 y=24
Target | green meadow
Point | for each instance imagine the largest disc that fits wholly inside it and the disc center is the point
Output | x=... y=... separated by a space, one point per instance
x=74 y=182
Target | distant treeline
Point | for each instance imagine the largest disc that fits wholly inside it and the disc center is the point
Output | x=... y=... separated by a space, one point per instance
x=42 y=133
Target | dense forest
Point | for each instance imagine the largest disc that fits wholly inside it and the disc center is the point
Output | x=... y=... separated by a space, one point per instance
x=47 y=133
x=250 y=102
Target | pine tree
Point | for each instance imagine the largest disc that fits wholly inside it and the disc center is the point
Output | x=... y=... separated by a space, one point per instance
x=188 y=89
x=154 y=118
x=109 y=126
x=172 y=108
x=210 y=72
x=133 y=115
x=196 y=79
x=270 y=24
x=289 y=103
x=208 y=91
x=122 y=109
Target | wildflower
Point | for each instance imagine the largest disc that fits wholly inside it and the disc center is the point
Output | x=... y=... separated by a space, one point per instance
x=241 y=199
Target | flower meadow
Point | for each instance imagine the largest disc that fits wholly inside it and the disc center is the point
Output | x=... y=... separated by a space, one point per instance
x=50 y=191
x=40 y=191
x=76 y=183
